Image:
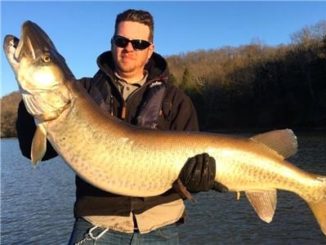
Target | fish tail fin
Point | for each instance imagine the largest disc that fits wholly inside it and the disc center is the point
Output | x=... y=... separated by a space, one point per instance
x=319 y=208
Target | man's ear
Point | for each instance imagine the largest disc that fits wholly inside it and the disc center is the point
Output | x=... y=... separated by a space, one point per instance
x=151 y=49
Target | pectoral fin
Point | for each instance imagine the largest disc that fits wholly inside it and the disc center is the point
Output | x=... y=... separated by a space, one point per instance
x=38 y=145
x=264 y=203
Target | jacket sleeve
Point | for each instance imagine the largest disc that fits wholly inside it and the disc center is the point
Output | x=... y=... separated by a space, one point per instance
x=26 y=128
x=180 y=111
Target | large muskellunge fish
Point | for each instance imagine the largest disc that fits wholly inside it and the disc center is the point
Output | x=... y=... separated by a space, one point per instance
x=72 y=122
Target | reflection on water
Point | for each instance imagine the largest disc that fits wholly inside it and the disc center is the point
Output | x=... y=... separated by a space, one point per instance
x=37 y=205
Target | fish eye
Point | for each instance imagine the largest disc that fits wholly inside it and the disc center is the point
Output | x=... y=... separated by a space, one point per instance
x=46 y=58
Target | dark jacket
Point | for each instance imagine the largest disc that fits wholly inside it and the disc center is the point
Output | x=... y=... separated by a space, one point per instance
x=176 y=113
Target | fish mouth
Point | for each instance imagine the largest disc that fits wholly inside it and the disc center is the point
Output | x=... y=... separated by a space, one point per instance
x=32 y=43
x=12 y=47
x=16 y=48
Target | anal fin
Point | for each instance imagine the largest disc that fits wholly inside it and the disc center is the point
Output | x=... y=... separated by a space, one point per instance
x=264 y=203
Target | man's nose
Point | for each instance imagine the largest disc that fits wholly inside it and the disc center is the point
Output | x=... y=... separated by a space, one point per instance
x=129 y=47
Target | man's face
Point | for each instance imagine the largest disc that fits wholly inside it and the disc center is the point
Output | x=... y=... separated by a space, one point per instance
x=129 y=62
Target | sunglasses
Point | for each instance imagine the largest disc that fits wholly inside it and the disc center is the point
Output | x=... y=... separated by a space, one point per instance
x=137 y=44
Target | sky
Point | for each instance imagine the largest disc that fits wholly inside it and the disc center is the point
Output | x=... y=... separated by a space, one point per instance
x=81 y=30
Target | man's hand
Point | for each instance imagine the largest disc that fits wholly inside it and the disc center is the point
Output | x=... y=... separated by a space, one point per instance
x=198 y=174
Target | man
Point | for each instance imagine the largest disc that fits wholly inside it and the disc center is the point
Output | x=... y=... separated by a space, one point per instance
x=133 y=84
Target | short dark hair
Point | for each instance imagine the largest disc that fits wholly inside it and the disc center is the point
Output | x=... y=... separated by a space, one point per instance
x=139 y=16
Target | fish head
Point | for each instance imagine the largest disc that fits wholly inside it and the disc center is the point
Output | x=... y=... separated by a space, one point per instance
x=40 y=70
x=35 y=60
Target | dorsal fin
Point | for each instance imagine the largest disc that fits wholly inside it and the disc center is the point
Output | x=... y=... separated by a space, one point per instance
x=282 y=141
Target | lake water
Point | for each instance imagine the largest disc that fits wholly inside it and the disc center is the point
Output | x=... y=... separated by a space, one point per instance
x=37 y=205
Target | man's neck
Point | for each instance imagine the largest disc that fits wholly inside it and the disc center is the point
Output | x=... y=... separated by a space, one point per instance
x=131 y=78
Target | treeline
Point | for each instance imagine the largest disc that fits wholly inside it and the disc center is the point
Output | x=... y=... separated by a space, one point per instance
x=251 y=86
x=9 y=106
x=256 y=86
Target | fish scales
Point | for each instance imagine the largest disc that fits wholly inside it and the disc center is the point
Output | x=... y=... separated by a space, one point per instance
x=233 y=163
